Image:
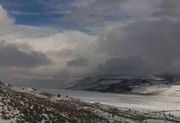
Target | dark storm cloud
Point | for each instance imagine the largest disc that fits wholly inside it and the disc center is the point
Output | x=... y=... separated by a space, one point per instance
x=77 y=62
x=11 y=56
x=95 y=13
x=118 y=65
x=169 y=8
x=143 y=46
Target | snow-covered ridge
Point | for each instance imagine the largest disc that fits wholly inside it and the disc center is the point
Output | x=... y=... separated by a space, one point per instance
x=32 y=106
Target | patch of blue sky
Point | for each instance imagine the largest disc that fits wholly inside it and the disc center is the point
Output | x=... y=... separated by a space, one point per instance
x=59 y=13
x=35 y=12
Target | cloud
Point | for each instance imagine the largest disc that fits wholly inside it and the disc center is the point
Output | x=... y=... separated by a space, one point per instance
x=77 y=62
x=4 y=17
x=132 y=65
x=95 y=13
x=6 y=22
x=168 y=8
x=11 y=52
x=127 y=38
x=11 y=56
x=58 y=47
x=152 y=45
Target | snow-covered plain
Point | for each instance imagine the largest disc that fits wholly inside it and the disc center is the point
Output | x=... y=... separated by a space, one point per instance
x=167 y=103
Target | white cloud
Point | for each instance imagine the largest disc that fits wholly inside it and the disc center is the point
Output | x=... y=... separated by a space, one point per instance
x=48 y=41
x=4 y=18
x=5 y=21
x=71 y=43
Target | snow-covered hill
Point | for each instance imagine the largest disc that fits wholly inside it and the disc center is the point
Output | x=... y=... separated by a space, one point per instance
x=127 y=83
x=32 y=106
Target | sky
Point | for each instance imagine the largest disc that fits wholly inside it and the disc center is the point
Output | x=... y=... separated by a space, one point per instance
x=88 y=37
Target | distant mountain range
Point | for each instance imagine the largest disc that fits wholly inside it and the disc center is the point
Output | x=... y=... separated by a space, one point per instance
x=121 y=83
x=124 y=83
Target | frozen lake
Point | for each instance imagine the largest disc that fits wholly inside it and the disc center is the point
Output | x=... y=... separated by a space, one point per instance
x=139 y=102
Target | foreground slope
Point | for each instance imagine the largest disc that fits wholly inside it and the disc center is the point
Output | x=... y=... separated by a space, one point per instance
x=32 y=106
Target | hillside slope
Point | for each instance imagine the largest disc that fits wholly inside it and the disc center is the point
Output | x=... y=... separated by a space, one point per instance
x=31 y=106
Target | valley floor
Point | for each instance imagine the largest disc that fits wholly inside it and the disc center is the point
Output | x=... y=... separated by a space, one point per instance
x=133 y=101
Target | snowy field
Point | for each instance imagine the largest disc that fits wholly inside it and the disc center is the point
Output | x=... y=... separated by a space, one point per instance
x=138 y=102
